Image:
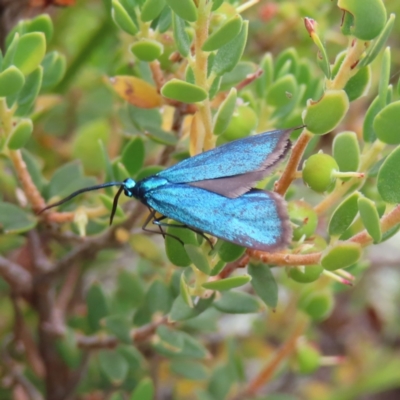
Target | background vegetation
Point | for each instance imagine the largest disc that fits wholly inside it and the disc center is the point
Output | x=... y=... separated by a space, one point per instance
x=90 y=311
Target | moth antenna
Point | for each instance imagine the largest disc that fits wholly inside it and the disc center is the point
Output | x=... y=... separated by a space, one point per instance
x=72 y=195
x=115 y=204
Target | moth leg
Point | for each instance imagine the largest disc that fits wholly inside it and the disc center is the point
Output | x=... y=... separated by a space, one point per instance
x=152 y=218
x=156 y=221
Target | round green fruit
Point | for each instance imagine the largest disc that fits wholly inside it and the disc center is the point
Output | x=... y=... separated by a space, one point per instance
x=318 y=172
x=305 y=274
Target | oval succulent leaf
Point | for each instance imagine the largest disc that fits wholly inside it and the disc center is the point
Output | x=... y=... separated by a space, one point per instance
x=185 y=92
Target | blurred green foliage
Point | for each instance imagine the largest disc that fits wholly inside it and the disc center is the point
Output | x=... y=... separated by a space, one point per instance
x=93 y=312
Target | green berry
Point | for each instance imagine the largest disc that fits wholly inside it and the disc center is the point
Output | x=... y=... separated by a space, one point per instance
x=318 y=172
x=308 y=357
x=305 y=273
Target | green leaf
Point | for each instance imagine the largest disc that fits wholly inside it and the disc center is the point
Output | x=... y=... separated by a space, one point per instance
x=229 y=252
x=158 y=298
x=133 y=356
x=41 y=23
x=122 y=18
x=185 y=92
x=189 y=75
x=225 y=112
x=151 y=9
x=34 y=169
x=86 y=144
x=130 y=291
x=116 y=396
x=370 y=218
x=119 y=171
x=97 y=306
x=192 y=348
x=165 y=20
x=288 y=57
x=119 y=326
x=133 y=155
x=384 y=78
x=389 y=233
x=68 y=349
x=378 y=44
x=227 y=283
x=181 y=37
x=144 y=390
x=234 y=302
x=369 y=134
x=185 y=291
x=224 y=34
x=218 y=267
x=191 y=370
x=67 y=179
x=264 y=284
x=148 y=171
x=216 y=4
x=198 y=258
x=160 y=136
x=27 y=96
x=341 y=255
x=387 y=122
x=265 y=80
x=174 y=343
x=358 y=85
x=368 y=18
x=237 y=75
x=176 y=253
x=221 y=382
x=280 y=92
x=20 y=134
x=344 y=215
x=8 y=59
x=30 y=51
x=325 y=114
x=346 y=151
x=171 y=341
x=229 y=55
x=322 y=56
x=180 y=310
x=114 y=366
x=54 y=67
x=11 y=81
x=15 y=220
x=147 y=49
x=186 y=9
x=389 y=178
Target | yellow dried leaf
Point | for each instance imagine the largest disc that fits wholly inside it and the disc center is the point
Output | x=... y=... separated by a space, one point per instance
x=136 y=91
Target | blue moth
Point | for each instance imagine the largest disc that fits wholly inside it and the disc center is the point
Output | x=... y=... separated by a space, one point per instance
x=213 y=192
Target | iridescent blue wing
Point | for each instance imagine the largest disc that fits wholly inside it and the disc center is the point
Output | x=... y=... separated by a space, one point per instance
x=257 y=219
x=233 y=168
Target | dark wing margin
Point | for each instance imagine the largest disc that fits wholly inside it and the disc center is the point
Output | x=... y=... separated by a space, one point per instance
x=257 y=153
